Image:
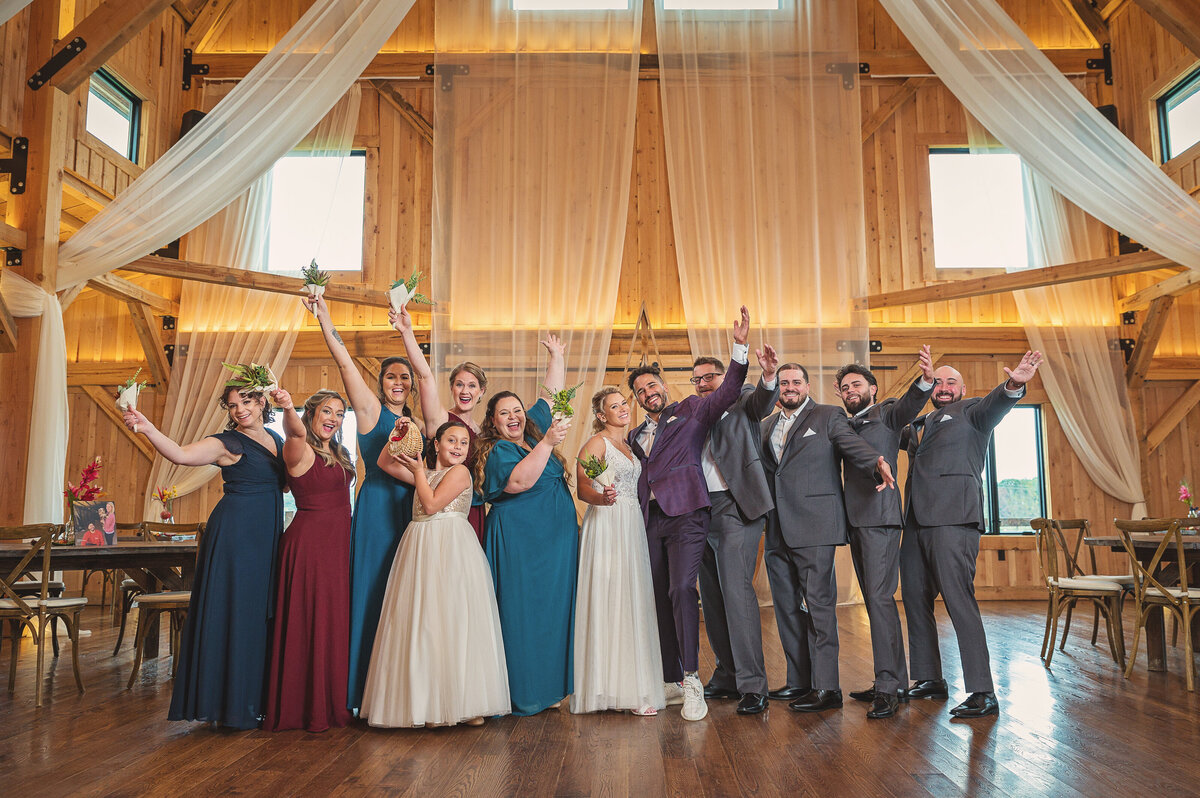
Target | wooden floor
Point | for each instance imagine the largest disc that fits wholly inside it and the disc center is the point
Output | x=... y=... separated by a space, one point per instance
x=1080 y=730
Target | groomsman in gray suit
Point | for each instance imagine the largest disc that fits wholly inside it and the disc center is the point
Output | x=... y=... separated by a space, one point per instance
x=804 y=446
x=741 y=499
x=942 y=524
x=875 y=523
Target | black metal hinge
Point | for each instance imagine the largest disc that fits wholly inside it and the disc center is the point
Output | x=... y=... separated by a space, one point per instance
x=447 y=72
x=848 y=70
x=1104 y=63
x=169 y=351
x=56 y=62
x=16 y=164
x=1127 y=345
x=12 y=256
x=191 y=70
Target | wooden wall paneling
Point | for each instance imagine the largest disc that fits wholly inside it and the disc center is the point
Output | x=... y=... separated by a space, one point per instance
x=13 y=36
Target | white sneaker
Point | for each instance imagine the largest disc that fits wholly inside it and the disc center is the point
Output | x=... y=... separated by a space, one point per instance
x=673 y=693
x=694 y=707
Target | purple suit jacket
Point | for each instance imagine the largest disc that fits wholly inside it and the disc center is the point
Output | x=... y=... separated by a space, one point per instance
x=673 y=471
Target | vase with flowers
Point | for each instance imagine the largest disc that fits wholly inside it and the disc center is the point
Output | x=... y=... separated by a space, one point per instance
x=166 y=497
x=86 y=490
x=1187 y=497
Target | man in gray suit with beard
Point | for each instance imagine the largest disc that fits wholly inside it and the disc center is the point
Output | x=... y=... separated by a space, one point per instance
x=804 y=446
x=942 y=523
x=741 y=499
x=875 y=524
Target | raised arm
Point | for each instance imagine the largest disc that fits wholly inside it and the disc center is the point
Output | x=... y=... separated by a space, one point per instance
x=432 y=410
x=556 y=369
x=990 y=410
x=206 y=451
x=909 y=406
x=527 y=472
x=762 y=400
x=720 y=400
x=362 y=397
x=297 y=454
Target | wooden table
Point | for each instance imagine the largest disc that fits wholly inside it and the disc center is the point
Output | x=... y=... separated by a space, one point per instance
x=1145 y=546
x=153 y=565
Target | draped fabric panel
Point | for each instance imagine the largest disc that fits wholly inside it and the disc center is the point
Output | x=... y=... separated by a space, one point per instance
x=1012 y=88
x=764 y=157
x=531 y=190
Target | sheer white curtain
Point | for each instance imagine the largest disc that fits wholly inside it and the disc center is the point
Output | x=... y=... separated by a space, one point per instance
x=50 y=425
x=531 y=190
x=1013 y=89
x=260 y=120
x=219 y=324
x=764 y=158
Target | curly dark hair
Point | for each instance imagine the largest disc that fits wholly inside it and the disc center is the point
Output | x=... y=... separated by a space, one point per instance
x=489 y=436
x=641 y=371
x=854 y=368
x=268 y=414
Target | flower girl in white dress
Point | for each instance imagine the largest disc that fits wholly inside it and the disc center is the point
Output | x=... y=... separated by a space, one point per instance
x=618 y=664
x=439 y=656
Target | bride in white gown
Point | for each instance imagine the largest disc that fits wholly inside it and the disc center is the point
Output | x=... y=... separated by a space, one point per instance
x=618 y=664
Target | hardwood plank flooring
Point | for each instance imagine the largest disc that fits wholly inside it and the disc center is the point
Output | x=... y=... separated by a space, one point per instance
x=1077 y=730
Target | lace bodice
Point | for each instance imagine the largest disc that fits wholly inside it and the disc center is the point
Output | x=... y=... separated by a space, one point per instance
x=461 y=505
x=625 y=472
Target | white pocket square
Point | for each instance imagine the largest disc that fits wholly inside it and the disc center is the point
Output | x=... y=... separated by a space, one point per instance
x=945 y=418
x=672 y=418
x=808 y=432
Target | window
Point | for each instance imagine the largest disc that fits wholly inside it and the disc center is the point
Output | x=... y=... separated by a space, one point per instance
x=317 y=205
x=113 y=114
x=978 y=210
x=1179 y=116
x=349 y=438
x=1014 y=490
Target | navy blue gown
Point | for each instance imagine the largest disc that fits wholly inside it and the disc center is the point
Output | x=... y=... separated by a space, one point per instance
x=221 y=676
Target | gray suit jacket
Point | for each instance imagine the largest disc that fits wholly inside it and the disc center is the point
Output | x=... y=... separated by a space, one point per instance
x=737 y=451
x=807 y=480
x=946 y=460
x=881 y=426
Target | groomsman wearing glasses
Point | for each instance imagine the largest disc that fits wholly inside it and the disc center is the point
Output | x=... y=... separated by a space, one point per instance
x=741 y=499
x=875 y=524
x=804 y=447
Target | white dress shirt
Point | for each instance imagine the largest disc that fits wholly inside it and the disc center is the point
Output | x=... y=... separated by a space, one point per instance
x=779 y=435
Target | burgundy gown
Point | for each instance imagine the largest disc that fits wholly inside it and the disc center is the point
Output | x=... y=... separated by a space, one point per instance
x=476 y=517
x=311 y=640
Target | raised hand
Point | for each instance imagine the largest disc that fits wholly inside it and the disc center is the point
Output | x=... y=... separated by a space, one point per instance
x=768 y=361
x=885 y=472
x=741 y=327
x=399 y=319
x=136 y=421
x=554 y=345
x=316 y=306
x=282 y=399
x=557 y=432
x=1025 y=370
x=925 y=359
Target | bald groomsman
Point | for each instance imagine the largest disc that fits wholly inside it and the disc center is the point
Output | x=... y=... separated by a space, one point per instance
x=942 y=523
x=876 y=522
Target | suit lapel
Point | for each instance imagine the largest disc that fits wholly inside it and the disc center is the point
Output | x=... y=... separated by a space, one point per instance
x=797 y=431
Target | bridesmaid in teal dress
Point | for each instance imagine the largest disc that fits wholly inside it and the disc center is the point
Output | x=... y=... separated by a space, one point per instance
x=383 y=508
x=531 y=541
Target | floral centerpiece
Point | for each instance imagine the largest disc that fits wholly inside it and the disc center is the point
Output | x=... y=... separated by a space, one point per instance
x=166 y=497
x=596 y=469
x=1187 y=497
x=404 y=291
x=86 y=490
x=560 y=402
x=251 y=378
x=127 y=394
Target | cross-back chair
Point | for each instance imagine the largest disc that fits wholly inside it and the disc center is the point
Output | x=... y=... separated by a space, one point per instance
x=173 y=602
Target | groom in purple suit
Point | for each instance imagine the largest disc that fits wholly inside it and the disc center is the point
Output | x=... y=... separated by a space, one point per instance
x=674 y=499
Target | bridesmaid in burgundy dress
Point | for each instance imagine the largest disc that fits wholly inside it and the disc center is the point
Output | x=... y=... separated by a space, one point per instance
x=307 y=676
x=468 y=383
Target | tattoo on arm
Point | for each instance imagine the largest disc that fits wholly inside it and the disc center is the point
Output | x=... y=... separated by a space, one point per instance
x=336 y=336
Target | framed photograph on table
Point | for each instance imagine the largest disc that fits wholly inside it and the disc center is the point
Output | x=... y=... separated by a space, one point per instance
x=95 y=523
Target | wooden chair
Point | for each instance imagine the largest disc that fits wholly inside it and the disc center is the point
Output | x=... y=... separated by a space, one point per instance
x=37 y=613
x=1150 y=591
x=108 y=576
x=151 y=605
x=129 y=587
x=1064 y=591
x=1070 y=554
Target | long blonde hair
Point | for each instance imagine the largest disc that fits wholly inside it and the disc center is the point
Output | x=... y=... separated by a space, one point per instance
x=598 y=405
x=489 y=436
x=337 y=453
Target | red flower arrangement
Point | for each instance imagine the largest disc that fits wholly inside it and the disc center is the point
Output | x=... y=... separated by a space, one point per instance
x=87 y=489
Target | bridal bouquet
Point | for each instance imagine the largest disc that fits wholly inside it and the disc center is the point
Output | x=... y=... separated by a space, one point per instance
x=560 y=402
x=315 y=280
x=404 y=291
x=596 y=469
x=405 y=440
x=251 y=378
x=127 y=394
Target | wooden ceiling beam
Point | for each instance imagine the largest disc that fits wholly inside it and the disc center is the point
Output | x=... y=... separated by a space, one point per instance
x=894 y=102
x=208 y=23
x=105 y=31
x=1168 y=369
x=12 y=236
x=129 y=291
x=1147 y=340
x=1089 y=19
x=108 y=405
x=404 y=108
x=1176 y=285
x=1016 y=281
x=1181 y=18
x=1170 y=419
x=257 y=281
x=147 y=333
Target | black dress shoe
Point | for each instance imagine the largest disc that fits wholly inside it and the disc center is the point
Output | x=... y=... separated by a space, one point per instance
x=711 y=692
x=818 y=701
x=883 y=706
x=869 y=694
x=752 y=704
x=977 y=705
x=788 y=693
x=929 y=688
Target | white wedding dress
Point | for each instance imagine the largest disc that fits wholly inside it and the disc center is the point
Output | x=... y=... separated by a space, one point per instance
x=439 y=654
x=618 y=664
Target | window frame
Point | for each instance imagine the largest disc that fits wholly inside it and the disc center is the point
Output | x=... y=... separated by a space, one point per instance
x=991 y=487
x=1188 y=84
x=111 y=83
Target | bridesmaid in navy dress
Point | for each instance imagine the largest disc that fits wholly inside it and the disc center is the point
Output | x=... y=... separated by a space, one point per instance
x=310 y=645
x=223 y=656
x=532 y=542
x=468 y=383
x=383 y=508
